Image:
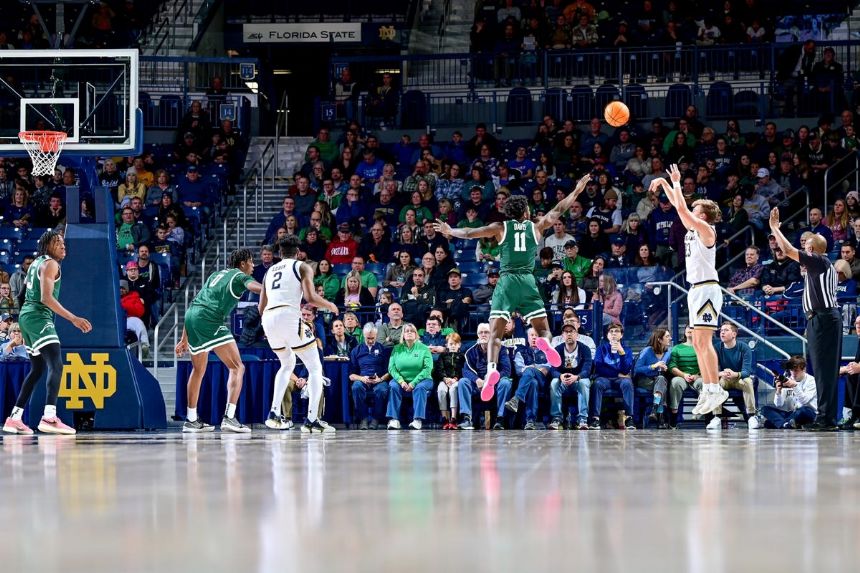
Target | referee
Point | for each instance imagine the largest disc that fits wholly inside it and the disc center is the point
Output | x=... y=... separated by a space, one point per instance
x=824 y=323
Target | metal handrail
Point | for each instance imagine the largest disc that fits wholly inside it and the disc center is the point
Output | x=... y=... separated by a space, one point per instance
x=855 y=172
x=740 y=326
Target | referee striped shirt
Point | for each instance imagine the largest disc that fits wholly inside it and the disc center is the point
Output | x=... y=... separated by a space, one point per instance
x=819 y=289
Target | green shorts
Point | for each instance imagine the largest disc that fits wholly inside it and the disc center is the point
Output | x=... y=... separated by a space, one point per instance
x=38 y=330
x=517 y=293
x=204 y=333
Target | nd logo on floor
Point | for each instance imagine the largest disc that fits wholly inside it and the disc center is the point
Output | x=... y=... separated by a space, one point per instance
x=95 y=380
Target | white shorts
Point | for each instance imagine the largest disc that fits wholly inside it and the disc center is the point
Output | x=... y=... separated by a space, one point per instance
x=705 y=301
x=285 y=328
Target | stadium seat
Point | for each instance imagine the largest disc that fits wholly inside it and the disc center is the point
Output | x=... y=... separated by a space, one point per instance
x=747 y=104
x=605 y=94
x=413 y=110
x=11 y=234
x=678 y=98
x=518 y=108
x=719 y=100
x=556 y=103
x=582 y=103
x=636 y=99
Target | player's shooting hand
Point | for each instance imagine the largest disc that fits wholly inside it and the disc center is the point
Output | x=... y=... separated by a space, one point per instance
x=582 y=184
x=674 y=173
x=774 y=219
x=82 y=324
x=442 y=227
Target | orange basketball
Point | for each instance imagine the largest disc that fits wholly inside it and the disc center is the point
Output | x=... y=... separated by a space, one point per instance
x=616 y=114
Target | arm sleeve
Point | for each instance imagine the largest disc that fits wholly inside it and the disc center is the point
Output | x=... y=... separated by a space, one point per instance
x=673 y=360
x=779 y=398
x=746 y=357
x=643 y=363
x=519 y=363
x=809 y=391
x=626 y=361
x=426 y=367
x=815 y=263
x=585 y=354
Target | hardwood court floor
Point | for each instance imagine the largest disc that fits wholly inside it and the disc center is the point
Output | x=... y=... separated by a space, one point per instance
x=431 y=501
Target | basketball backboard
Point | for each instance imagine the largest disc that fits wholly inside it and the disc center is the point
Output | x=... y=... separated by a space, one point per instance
x=89 y=94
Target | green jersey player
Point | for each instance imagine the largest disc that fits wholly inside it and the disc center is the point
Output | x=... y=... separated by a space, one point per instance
x=519 y=241
x=204 y=331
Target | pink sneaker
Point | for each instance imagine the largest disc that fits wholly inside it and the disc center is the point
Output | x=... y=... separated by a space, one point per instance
x=551 y=355
x=489 y=389
x=55 y=426
x=13 y=426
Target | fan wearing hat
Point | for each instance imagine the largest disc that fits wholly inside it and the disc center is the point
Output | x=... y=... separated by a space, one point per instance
x=484 y=293
x=768 y=188
x=608 y=213
x=455 y=299
x=192 y=191
x=618 y=258
x=574 y=262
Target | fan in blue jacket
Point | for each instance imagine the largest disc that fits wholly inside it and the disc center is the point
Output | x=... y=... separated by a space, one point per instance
x=474 y=373
x=571 y=376
x=534 y=371
x=613 y=364
x=651 y=367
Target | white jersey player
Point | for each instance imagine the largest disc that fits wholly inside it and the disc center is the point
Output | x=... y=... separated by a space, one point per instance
x=705 y=299
x=284 y=286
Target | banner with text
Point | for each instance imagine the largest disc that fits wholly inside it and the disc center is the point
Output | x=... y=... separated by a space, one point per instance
x=302 y=33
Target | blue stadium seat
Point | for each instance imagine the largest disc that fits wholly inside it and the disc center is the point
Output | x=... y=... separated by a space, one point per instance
x=605 y=94
x=747 y=104
x=636 y=99
x=582 y=103
x=35 y=232
x=556 y=103
x=413 y=110
x=28 y=245
x=12 y=234
x=341 y=269
x=719 y=100
x=678 y=98
x=518 y=108
x=375 y=268
x=470 y=267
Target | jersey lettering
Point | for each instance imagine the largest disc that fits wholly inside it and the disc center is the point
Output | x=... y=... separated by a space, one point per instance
x=520 y=241
x=276 y=280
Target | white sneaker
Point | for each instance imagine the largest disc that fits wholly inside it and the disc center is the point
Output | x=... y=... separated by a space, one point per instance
x=714 y=424
x=714 y=400
x=415 y=424
x=276 y=422
x=393 y=424
x=754 y=423
x=697 y=409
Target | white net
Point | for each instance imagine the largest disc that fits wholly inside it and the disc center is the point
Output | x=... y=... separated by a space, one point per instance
x=44 y=148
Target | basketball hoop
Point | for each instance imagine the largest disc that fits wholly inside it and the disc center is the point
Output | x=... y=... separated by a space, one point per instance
x=44 y=148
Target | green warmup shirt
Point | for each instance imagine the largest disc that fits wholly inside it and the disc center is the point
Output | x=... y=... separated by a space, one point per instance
x=684 y=358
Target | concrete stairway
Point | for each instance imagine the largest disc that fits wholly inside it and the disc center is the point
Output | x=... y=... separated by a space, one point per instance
x=174 y=39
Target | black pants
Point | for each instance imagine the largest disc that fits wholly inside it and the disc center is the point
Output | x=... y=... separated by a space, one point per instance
x=824 y=336
x=852 y=395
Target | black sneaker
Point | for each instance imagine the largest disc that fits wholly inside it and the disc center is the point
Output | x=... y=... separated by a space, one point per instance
x=499 y=425
x=628 y=423
x=820 y=427
x=512 y=405
x=466 y=423
x=848 y=425
x=197 y=427
x=364 y=425
x=530 y=425
x=555 y=424
x=594 y=424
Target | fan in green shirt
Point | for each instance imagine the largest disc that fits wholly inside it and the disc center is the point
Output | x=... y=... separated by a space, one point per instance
x=411 y=369
x=574 y=262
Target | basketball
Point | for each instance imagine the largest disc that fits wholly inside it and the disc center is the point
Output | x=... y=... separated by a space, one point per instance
x=616 y=114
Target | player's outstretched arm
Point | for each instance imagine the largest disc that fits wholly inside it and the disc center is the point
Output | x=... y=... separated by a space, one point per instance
x=255 y=287
x=690 y=221
x=493 y=230
x=562 y=206
x=790 y=250
x=310 y=292
x=264 y=301
x=47 y=276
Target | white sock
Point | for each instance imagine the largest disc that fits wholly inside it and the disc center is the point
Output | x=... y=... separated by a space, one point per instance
x=191 y=416
x=17 y=413
x=491 y=365
x=231 y=411
x=50 y=412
